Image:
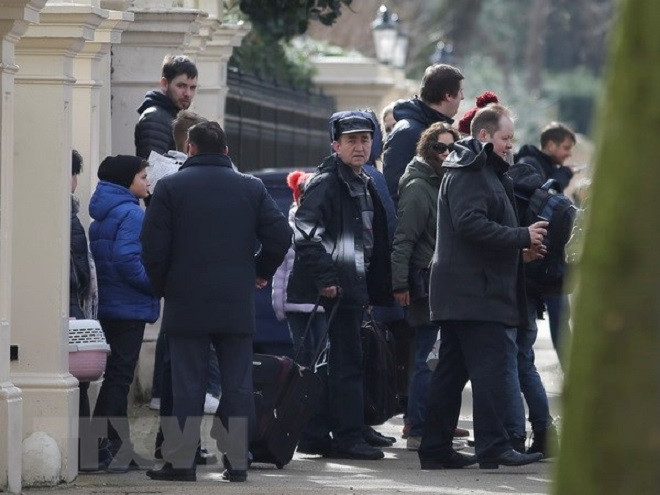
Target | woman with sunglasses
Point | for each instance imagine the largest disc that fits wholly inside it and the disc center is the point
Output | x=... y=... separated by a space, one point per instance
x=414 y=243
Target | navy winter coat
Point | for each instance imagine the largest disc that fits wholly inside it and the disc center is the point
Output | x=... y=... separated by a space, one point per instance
x=125 y=292
x=199 y=238
x=413 y=117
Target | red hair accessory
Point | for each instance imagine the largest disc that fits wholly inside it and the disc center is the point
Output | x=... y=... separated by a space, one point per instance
x=296 y=180
x=484 y=99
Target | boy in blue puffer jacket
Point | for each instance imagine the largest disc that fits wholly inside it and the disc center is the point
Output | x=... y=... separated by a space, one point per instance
x=126 y=299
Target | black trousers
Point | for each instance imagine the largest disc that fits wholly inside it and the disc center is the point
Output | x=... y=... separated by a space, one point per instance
x=341 y=411
x=125 y=340
x=477 y=351
x=189 y=360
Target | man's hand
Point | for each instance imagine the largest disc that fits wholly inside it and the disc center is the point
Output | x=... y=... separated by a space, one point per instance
x=402 y=297
x=534 y=253
x=330 y=292
x=537 y=231
x=261 y=283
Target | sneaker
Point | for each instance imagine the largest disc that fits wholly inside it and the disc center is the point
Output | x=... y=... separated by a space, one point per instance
x=154 y=403
x=211 y=404
x=413 y=443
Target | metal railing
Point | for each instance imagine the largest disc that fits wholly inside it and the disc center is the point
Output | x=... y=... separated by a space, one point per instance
x=274 y=126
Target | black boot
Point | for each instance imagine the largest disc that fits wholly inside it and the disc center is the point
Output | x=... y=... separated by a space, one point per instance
x=545 y=442
x=518 y=443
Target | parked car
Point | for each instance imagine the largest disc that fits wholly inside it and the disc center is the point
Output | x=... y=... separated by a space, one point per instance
x=273 y=336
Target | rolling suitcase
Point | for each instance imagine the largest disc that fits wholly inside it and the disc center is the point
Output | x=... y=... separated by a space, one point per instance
x=286 y=395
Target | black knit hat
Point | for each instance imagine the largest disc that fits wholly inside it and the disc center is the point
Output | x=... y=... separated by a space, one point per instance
x=120 y=169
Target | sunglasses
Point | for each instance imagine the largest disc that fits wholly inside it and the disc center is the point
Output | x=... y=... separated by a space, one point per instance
x=442 y=147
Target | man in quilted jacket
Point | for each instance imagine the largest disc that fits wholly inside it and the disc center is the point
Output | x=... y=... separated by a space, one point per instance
x=178 y=84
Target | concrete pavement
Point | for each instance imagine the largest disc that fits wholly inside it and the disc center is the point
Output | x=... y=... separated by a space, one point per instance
x=398 y=473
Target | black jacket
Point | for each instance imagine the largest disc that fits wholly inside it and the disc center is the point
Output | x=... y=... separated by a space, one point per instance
x=413 y=117
x=79 y=272
x=199 y=240
x=533 y=168
x=476 y=272
x=153 y=132
x=328 y=234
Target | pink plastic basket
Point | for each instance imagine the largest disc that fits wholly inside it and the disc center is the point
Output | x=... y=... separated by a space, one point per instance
x=88 y=350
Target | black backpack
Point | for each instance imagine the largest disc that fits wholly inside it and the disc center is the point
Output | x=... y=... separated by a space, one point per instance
x=546 y=277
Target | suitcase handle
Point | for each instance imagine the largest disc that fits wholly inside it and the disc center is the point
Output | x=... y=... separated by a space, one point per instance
x=319 y=348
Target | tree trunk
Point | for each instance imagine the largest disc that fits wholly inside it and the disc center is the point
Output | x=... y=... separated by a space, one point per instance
x=611 y=428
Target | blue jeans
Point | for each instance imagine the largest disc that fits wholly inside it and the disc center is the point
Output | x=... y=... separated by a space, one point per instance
x=559 y=312
x=425 y=337
x=530 y=382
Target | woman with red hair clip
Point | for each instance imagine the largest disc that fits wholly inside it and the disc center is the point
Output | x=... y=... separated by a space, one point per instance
x=296 y=315
x=484 y=99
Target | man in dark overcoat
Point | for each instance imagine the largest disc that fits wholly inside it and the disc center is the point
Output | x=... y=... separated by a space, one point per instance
x=477 y=296
x=199 y=240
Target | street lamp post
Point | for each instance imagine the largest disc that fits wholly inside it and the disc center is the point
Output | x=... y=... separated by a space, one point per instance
x=401 y=50
x=385 y=34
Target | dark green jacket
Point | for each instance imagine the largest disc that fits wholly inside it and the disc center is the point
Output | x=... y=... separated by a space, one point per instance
x=414 y=238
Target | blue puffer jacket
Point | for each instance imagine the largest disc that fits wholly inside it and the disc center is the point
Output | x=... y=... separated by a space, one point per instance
x=125 y=292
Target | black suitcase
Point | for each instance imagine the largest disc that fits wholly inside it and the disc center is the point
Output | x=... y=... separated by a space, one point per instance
x=286 y=396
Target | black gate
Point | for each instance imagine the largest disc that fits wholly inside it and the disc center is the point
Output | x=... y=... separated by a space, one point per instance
x=273 y=126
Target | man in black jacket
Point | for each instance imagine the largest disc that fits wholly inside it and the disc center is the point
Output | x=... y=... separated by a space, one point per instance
x=178 y=85
x=342 y=254
x=440 y=95
x=477 y=295
x=198 y=247
x=533 y=167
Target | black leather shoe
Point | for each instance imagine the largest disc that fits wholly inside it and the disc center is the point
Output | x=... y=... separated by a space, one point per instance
x=169 y=473
x=509 y=458
x=360 y=451
x=376 y=439
x=320 y=447
x=233 y=475
x=452 y=461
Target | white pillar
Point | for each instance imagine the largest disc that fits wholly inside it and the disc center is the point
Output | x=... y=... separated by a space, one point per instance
x=14 y=18
x=358 y=82
x=212 y=66
x=137 y=61
x=91 y=103
x=41 y=216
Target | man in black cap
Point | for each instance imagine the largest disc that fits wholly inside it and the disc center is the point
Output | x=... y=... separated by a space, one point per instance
x=342 y=255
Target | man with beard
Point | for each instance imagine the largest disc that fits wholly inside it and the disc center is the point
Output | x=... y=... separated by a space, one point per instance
x=178 y=85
